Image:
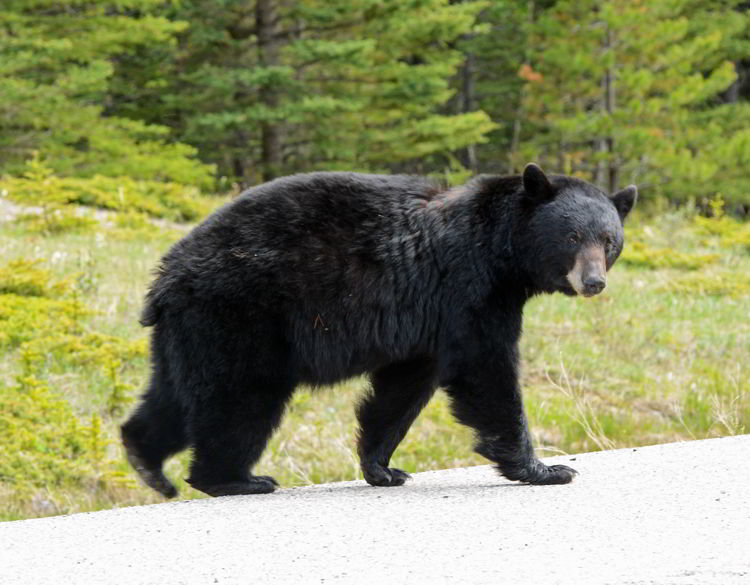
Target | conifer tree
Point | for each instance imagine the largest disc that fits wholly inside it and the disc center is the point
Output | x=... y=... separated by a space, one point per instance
x=265 y=88
x=56 y=59
x=629 y=91
x=491 y=78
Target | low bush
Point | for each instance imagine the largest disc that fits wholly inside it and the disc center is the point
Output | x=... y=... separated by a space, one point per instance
x=642 y=255
x=716 y=283
x=39 y=186
x=25 y=278
x=728 y=230
x=55 y=222
x=46 y=444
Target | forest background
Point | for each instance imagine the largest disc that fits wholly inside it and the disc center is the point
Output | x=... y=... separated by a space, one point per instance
x=123 y=122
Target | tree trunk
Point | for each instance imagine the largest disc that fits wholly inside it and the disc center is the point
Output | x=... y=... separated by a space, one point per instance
x=266 y=23
x=467 y=105
x=608 y=171
x=739 y=89
x=614 y=164
x=516 y=136
x=238 y=168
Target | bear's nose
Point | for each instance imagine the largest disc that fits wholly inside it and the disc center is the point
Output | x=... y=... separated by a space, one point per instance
x=593 y=285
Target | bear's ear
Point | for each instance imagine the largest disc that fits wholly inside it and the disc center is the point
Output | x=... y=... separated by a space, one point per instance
x=625 y=200
x=536 y=184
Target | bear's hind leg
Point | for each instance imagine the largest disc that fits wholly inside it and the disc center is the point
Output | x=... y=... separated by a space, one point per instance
x=229 y=433
x=399 y=392
x=155 y=431
x=234 y=369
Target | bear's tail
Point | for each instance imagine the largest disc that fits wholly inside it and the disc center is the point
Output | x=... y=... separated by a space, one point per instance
x=155 y=299
x=150 y=313
x=151 y=309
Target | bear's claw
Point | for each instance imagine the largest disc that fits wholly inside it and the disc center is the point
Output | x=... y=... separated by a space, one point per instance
x=151 y=475
x=537 y=473
x=555 y=474
x=260 y=484
x=381 y=476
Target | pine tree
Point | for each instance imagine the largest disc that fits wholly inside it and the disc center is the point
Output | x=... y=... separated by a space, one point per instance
x=264 y=88
x=629 y=91
x=56 y=60
x=489 y=79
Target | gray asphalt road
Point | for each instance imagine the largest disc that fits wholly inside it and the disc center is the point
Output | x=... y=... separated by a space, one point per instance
x=676 y=514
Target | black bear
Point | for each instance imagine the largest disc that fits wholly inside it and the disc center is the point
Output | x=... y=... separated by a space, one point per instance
x=319 y=277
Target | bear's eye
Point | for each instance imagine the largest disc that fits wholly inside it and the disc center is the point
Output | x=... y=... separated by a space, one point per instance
x=608 y=245
x=574 y=239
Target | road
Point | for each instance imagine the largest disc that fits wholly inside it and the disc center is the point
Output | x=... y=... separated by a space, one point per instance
x=675 y=514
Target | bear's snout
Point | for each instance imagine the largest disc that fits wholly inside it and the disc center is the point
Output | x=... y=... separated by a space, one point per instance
x=588 y=276
x=593 y=285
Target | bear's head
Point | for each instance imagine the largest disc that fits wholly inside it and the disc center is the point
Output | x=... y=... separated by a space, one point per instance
x=572 y=232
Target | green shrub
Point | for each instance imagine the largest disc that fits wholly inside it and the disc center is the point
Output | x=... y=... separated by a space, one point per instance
x=724 y=283
x=25 y=318
x=94 y=353
x=50 y=335
x=25 y=278
x=90 y=349
x=133 y=220
x=134 y=225
x=39 y=186
x=641 y=255
x=53 y=218
x=56 y=222
x=44 y=444
x=31 y=305
x=728 y=230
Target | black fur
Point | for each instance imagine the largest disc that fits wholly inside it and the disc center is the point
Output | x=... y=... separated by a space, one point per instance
x=320 y=277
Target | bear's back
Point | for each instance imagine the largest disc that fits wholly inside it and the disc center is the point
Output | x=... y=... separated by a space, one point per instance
x=337 y=258
x=332 y=196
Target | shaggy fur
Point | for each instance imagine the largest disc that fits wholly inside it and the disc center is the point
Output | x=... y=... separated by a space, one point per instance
x=319 y=277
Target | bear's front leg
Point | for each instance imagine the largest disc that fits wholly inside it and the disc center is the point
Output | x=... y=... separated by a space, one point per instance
x=487 y=397
x=399 y=392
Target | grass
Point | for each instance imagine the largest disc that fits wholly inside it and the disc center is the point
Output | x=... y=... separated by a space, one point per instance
x=662 y=355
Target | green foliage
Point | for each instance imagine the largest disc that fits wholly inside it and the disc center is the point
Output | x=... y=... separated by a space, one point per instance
x=729 y=231
x=98 y=354
x=642 y=255
x=25 y=278
x=158 y=199
x=45 y=445
x=23 y=318
x=739 y=236
x=31 y=304
x=497 y=52
x=634 y=96
x=132 y=220
x=59 y=221
x=56 y=61
x=317 y=85
x=719 y=283
x=53 y=218
x=130 y=94
x=133 y=225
